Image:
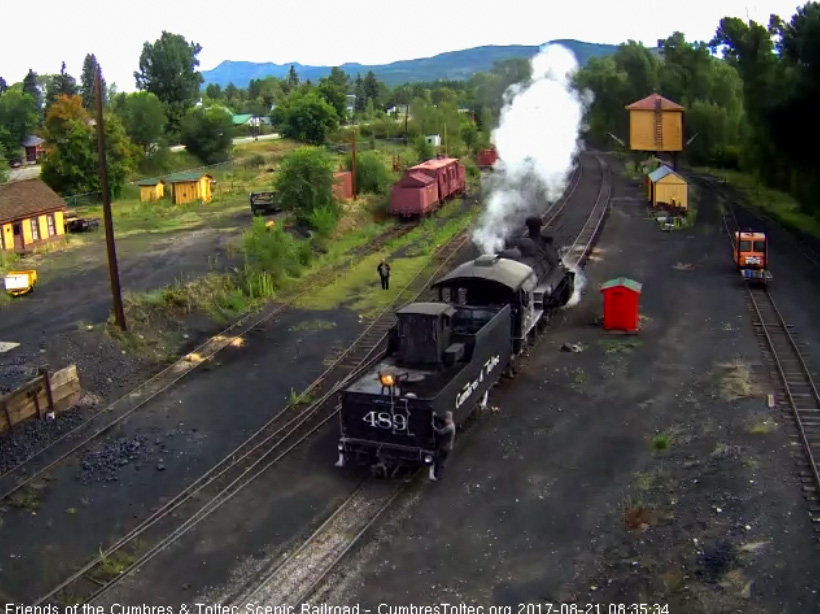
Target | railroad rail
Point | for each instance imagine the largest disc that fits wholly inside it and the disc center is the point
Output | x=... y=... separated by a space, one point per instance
x=272 y=442
x=298 y=578
x=281 y=435
x=101 y=421
x=796 y=381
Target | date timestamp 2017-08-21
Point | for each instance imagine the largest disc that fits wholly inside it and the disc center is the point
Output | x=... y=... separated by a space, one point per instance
x=593 y=608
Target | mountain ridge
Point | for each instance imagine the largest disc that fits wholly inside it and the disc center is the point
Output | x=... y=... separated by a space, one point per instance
x=449 y=65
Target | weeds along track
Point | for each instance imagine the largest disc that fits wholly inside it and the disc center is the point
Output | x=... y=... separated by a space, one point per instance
x=302 y=575
x=282 y=434
x=104 y=420
x=798 y=391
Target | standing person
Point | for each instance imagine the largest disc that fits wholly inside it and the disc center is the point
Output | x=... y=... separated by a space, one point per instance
x=444 y=437
x=384 y=274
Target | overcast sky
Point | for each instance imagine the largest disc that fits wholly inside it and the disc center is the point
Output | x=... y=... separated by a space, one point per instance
x=323 y=32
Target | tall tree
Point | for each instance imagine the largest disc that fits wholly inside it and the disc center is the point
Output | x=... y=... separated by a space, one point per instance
x=143 y=118
x=31 y=88
x=3 y=85
x=61 y=84
x=293 y=78
x=18 y=117
x=88 y=82
x=168 y=69
x=339 y=78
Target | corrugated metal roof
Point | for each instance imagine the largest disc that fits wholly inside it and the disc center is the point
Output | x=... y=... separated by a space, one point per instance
x=186 y=177
x=661 y=172
x=650 y=102
x=434 y=164
x=240 y=119
x=623 y=282
x=420 y=177
x=32 y=141
x=22 y=199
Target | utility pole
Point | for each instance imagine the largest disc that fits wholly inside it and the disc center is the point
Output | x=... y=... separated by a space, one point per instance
x=353 y=173
x=446 y=149
x=119 y=313
x=406 y=113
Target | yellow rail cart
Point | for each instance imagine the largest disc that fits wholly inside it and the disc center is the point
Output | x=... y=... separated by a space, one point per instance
x=18 y=283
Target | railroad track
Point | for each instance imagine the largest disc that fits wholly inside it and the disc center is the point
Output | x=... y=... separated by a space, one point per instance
x=102 y=421
x=797 y=386
x=277 y=438
x=579 y=250
x=298 y=578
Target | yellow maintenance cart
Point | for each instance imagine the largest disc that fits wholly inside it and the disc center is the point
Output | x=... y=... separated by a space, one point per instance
x=20 y=282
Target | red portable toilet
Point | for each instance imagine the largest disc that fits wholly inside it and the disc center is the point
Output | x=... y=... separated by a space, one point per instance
x=621 y=304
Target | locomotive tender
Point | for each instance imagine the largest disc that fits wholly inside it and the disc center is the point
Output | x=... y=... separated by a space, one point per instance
x=446 y=355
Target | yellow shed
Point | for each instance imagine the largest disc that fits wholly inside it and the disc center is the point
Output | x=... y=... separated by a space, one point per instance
x=31 y=214
x=190 y=186
x=151 y=190
x=668 y=188
x=655 y=124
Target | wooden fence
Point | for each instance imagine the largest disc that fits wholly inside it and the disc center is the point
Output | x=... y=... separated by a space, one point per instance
x=46 y=393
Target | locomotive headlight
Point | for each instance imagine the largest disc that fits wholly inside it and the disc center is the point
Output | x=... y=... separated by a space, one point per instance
x=386 y=379
x=428 y=459
x=340 y=447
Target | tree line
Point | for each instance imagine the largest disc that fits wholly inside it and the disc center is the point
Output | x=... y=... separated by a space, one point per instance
x=749 y=93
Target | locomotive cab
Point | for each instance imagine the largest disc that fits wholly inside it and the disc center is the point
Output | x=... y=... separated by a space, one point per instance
x=751 y=255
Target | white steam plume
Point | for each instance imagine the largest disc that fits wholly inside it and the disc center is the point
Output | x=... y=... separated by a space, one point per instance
x=537 y=140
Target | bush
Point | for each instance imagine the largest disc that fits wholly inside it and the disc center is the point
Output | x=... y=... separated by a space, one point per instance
x=372 y=174
x=305 y=183
x=423 y=149
x=271 y=251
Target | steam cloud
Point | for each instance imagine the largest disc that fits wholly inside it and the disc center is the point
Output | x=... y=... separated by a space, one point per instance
x=537 y=141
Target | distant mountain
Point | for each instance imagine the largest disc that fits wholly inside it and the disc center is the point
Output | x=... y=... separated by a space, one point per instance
x=453 y=65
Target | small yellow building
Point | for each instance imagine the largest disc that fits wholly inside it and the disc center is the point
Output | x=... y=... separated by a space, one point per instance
x=31 y=214
x=189 y=186
x=151 y=190
x=655 y=124
x=666 y=187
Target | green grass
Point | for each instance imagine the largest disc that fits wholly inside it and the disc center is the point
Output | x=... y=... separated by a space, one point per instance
x=773 y=203
x=359 y=286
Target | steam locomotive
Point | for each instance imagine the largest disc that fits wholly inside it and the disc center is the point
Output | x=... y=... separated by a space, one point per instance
x=446 y=355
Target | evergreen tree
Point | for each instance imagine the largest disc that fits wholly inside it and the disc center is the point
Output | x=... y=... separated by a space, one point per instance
x=87 y=82
x=61 y=84
x=3 y=85
x=293 y=79
x=30 y=87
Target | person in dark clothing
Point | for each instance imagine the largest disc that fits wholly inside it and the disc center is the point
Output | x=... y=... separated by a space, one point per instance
x=445 y=436
x=384 y=274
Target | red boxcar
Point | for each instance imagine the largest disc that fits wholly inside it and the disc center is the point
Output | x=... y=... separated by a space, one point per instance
x=426 y=186
x=487 y=158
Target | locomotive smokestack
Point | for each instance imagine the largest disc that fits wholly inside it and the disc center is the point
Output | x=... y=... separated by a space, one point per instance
x=534 y=227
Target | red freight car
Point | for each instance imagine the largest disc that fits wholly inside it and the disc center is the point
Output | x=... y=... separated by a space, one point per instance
x=487 y=158
x=426 y=186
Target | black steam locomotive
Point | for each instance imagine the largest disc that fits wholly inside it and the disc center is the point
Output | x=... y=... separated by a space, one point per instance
x=445 y=356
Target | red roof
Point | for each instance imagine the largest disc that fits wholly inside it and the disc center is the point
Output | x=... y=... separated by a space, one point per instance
x=434 y=164
x=419 y=178
x=650 y=102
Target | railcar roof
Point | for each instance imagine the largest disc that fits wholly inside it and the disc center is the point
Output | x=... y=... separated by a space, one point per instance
x=428 y=309
x=510 y=273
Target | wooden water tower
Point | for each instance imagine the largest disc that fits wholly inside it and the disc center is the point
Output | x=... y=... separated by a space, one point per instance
x=656 y=126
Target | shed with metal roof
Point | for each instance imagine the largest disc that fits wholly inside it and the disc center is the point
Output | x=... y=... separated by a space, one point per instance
x=151 y=189
x=666 y=187
x=189 y=186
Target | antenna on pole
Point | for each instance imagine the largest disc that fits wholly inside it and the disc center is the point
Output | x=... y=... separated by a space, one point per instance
x=113 y=271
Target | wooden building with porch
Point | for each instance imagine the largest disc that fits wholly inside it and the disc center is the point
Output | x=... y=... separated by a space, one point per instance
x=31 y=214
x=34 y=147
x=190 y=186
